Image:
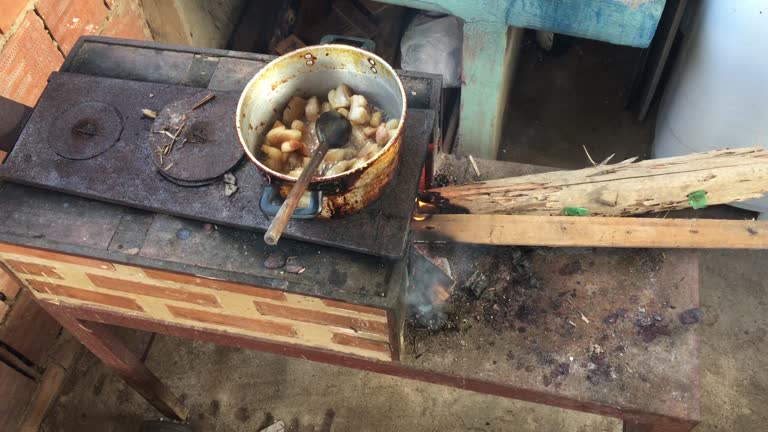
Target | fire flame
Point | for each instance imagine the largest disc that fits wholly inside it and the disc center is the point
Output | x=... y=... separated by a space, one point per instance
x=423 y=210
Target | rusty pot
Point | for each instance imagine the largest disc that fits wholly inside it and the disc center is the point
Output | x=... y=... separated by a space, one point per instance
x=314 y=71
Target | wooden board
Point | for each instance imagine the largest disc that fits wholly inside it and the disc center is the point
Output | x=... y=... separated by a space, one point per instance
x=623 y=189
x=564 y=231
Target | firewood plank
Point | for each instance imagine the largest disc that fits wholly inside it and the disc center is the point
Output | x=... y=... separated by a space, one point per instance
x=564 y=231
x=622 y=189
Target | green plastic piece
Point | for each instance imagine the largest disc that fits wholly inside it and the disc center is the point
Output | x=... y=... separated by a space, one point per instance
x=698 y=199
x=576 y=211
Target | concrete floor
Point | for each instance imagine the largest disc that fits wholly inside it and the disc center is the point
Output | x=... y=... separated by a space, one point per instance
x=553 y=114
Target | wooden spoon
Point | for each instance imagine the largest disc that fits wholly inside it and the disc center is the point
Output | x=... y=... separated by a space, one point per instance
x=333 y=131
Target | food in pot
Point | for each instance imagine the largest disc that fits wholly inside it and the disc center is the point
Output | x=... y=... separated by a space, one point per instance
x=292 y=139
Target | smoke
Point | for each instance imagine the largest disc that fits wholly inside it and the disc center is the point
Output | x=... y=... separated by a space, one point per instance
x=430 y=286
x=441 y=291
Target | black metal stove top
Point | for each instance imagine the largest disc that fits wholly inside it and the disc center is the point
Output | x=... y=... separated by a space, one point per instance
x=77 y=109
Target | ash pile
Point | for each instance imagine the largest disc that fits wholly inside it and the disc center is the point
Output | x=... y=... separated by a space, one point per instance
x=452 y=286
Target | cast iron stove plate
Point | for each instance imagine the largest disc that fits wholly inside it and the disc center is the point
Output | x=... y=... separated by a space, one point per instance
x=85 y=130
x=125 y=174
x=190 y=143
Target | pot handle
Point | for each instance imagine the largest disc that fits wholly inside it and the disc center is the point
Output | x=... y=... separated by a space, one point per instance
x=270 y=208
x=366 y=44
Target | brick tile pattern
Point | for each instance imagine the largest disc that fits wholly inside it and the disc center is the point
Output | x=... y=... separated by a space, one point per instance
x=127 y=21
x=360 y=342
x=26 y=61
x=8 y=285
x=217 y=285
x=84 y=295
x=320 y=317
x=251 y=324
x=152 y=290
x=70 y=19
x=9 y=10
x=188 y=300
x=33 y=269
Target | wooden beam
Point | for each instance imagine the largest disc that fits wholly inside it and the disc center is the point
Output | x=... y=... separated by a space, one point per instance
x=622 y=189
x=51 y=383
x=622 y=22
x=489 y=58
x=101 y=341
x=564 y=231
x=16 y=391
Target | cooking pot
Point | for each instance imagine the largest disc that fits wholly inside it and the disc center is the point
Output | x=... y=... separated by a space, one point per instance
x=314 y=71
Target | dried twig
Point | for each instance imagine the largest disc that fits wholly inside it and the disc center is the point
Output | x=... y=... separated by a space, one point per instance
x=608 y=169
x=203 y=101
x=474 y=165
x=588 y=156
x=605 y=162
x=583 y=317
x=168 y=148
x=178 y=131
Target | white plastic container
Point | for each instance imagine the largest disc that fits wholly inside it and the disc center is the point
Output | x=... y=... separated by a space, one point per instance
x=717 y=95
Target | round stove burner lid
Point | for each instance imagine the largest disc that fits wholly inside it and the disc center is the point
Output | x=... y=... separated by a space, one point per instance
x=194 y=140
x=187 y=183
x=85 y=131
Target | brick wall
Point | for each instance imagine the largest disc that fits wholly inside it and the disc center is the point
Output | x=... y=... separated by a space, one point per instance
x=36 y=35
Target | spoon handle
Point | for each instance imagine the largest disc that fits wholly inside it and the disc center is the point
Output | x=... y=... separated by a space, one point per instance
x=283 y=216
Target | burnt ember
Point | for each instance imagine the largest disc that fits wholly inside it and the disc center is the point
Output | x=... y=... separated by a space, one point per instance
x=275 y=260
x=498 y=291
x=691 y=316
x=294 y=265
x=477 y=284
x=649 y=326
x=589 y=326
x=572 y=268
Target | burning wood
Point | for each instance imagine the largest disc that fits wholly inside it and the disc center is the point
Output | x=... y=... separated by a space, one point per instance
x=423 y=210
